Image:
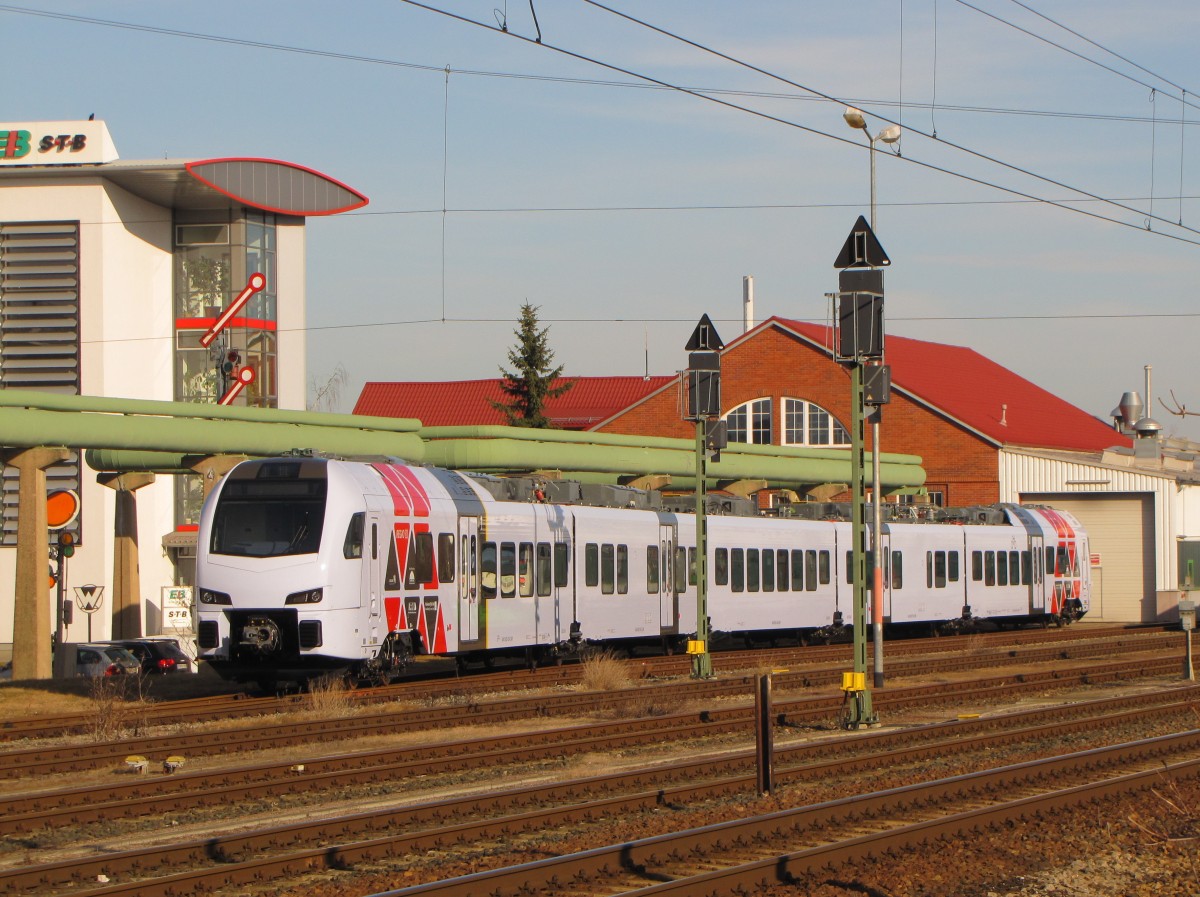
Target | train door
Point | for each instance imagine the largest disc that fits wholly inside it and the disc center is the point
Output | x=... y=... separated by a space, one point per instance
x=468 y=579
x=1037 y=578
x=377 y=556
x=885 y=551
x=668 y=598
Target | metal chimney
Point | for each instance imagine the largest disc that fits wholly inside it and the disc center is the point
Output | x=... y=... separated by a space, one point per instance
x=1129 y=411
x=747 y=302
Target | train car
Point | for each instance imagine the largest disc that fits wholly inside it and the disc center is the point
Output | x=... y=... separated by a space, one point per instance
x=308 y=565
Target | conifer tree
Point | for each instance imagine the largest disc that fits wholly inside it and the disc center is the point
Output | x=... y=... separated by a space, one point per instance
x=532 y=382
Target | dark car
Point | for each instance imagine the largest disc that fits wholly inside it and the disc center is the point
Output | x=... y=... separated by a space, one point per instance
x=157 y=655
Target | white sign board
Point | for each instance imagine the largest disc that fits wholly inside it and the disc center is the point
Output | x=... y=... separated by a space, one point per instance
x=55 y=143
x=177 y=610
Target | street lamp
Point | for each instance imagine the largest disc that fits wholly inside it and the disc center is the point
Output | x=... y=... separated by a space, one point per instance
x=889 y=135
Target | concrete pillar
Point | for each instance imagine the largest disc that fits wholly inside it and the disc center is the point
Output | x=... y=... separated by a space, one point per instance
x=32 y=621
x=127 y=583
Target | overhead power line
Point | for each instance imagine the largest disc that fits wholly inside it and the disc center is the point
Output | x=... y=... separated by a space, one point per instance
x=942 y=142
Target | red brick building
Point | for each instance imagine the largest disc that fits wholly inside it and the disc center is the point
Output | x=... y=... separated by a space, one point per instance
x=949 y=404
x=780 y=385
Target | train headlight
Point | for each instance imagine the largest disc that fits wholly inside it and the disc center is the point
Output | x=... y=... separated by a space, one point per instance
x=311 y=596
x=208 y=596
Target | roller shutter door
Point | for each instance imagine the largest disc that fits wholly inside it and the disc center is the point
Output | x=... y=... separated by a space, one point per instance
x=1120 y=530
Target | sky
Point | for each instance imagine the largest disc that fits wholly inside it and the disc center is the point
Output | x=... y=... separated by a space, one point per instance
x=1041 y=206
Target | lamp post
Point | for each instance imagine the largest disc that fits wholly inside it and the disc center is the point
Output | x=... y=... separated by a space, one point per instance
x=889 y=135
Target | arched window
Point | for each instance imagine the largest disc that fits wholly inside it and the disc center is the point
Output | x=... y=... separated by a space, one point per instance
x=806 y=423
x=750 y=423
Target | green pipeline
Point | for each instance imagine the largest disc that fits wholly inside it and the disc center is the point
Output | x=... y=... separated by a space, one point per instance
x=26 y=427
x=524 y=454
x=44 y=401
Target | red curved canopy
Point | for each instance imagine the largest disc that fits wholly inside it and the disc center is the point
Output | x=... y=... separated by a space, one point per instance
x=274 y=186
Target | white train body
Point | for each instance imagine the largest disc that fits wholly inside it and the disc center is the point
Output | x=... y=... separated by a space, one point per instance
x=307 y=564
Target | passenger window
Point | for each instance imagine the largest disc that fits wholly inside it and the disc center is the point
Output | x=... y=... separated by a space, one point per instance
x=897 y=570
x=544 y=569
x=446 y=557
x=977 y=566
x=939 y=569
x=797 y=570
x=737 y=570
x=681 y=569
x=721 y=565
x=823 y=571
x=420 y=559
x=591 y=565
x=691 y=577
x=508 y=569
x=1026 y=568
x=487 y=570
x=989 y=568
x=752 y=569
x=562 y=565
x=622 y=569
x=352 y=547
x=607 y=569
x=768 y=570
x=1001 y=568
x=810 y=571
x=525 y=570
x=652 y=569
x=952 y=566
x=1014 y=567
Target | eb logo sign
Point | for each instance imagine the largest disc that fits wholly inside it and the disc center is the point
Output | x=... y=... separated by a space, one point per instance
x=16 y=144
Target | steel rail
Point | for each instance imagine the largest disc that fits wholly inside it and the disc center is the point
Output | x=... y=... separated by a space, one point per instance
x=642 y=858
x=49 y=759
x=25 y=813
x=941 y=740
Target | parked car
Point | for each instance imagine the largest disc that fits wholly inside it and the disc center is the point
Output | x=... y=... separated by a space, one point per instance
x=157 y=655
x=93 y=659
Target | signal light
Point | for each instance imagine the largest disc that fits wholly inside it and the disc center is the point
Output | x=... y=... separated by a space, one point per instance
x=66 y=544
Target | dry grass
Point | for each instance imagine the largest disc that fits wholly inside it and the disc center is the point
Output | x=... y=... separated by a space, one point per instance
x=604 y=671
x=329 y=696
x=117 y=706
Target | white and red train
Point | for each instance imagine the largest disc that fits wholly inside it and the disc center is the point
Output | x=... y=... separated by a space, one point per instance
x=307 y=565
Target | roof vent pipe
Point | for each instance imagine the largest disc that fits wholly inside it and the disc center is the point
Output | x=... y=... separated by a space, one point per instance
x=747 y=302
x=1129 y=411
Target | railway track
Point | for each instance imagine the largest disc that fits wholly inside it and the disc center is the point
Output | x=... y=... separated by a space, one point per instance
x=163 y=795
x=239 y=705
x=453 y=825
x=67 y=758
x=750 y=855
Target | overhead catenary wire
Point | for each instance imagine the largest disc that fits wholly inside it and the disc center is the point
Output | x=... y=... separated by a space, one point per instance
x=973 y=153
x=561 y=79
x=1065 y=49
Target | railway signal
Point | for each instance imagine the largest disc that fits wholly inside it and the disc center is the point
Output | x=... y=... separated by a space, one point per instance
x=704 y=404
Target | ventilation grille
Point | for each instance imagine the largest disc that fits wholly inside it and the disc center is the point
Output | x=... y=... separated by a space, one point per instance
x=39 y=332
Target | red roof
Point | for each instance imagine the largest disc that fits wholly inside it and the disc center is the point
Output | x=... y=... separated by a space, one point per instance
x=467 y=402
x=967 y=387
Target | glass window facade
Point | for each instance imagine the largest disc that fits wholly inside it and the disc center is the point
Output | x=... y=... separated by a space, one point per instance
x=806 y=423
x=216 y=253
x=750 y=423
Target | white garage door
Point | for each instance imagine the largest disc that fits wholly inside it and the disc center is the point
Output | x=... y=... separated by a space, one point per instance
x=1120 y=528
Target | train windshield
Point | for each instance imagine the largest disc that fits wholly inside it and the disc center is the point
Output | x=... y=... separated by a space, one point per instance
x=269 y=518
